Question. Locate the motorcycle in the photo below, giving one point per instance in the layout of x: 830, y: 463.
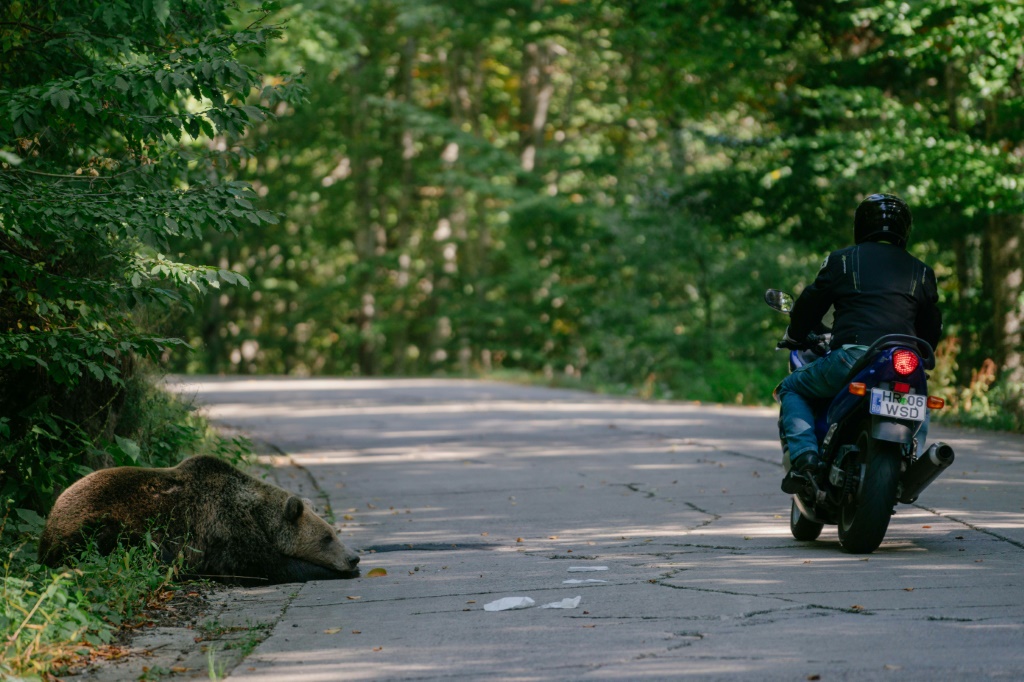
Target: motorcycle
x: 866, y: 437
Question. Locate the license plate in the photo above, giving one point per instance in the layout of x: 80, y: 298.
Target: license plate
x: 898, y: 405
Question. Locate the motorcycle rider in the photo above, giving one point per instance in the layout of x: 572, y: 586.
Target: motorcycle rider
x: 877, y: 288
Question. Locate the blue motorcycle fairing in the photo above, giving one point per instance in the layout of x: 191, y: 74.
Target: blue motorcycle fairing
x: 879, y: 370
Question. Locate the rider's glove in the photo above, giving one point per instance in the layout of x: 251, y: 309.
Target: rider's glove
x: 790, y: 343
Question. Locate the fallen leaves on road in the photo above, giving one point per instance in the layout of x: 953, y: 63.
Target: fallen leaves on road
x: 856, y: 607
x: 353, y: 598
x: 376, y: 573
x: 332, y: 631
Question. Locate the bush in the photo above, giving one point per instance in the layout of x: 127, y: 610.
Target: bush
x: 107, y: 117
x: 154, y: 428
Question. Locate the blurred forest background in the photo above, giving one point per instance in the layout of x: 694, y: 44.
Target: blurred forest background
x: 594, y: 192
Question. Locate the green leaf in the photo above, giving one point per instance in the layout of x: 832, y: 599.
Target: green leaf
x: 254, y: 113
x: 61, y: 98
x: 129, y: 447
x: 162, y: 10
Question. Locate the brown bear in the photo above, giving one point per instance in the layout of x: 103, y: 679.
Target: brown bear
x: 231, y: 526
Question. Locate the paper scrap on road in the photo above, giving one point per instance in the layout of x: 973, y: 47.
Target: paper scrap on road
x: 577, y: 581
x: 509, y: 603
x: 585, y: 569
x: 567, y: 603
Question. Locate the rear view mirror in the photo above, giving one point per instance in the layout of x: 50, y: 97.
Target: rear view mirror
x: 779, y: 300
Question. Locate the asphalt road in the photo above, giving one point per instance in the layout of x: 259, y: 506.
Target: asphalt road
x: 467, y: 492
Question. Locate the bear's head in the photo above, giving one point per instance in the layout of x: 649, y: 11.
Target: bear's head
x: 311, y: 547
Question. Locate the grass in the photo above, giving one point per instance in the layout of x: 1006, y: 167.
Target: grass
x: 51, y: 618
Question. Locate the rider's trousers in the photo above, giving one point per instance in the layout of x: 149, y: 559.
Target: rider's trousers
x: 815, y: 381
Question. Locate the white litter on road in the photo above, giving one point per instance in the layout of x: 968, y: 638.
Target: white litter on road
x: 577, y: 581
x: 509, y: 603
x: 567, y: 603
x: 584, y: 569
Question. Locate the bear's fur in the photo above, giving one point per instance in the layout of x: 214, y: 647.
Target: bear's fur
x: 233, y: 527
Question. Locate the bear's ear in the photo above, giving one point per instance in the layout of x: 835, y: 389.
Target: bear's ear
x: 292, y: 509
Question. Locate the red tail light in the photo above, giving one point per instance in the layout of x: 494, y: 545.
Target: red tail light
x: 904, y: 362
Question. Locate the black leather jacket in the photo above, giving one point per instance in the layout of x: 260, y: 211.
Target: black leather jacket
x: 877, y: 289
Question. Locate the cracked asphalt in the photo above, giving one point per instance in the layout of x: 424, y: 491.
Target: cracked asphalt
x: 466, y: 492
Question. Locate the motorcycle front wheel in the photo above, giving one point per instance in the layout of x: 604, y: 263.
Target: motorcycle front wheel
x: 802, y: 528
x: 866, y: 509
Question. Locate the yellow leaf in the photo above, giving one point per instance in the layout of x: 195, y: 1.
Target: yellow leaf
x: 353, y: 597
x: 376, y: 573
x: 332, y: 631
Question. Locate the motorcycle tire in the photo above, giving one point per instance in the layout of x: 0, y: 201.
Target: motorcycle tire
x: 802, y: 528
x: 864, y: 516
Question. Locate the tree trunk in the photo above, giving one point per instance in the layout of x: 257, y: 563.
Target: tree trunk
x: 1005, y: 237
x: 535, y: 92
x: 364, y: 177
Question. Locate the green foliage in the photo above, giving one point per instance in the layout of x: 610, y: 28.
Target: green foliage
x: 599, y: 191
x: 670, y: 183
x: 108, y: 116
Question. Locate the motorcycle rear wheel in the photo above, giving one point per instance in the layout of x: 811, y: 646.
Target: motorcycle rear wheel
x: 802, y: 528
x: 864, y: 516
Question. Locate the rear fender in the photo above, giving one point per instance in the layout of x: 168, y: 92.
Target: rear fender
x: 892, y: 430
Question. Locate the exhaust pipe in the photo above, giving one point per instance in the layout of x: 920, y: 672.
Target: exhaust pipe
x: 924, y: 470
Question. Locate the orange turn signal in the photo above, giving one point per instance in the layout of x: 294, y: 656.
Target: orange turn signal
x: 935, y: 402
x: 858, y: 388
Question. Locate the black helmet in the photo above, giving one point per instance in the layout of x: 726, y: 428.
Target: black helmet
x: 883, y: 217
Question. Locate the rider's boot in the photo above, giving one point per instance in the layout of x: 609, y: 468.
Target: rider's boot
x: 805, y: 465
